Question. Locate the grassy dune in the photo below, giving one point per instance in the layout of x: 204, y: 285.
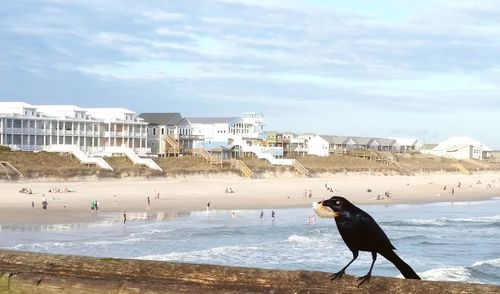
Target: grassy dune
x: 43, y: 164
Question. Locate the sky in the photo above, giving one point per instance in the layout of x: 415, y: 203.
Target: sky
x: 420, y: 69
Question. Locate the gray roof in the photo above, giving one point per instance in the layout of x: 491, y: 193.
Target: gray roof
x: 212, y: 120
x: 162, y: 119
x: 334, y: 139
x: 361, y: 140
x: 385, y: 142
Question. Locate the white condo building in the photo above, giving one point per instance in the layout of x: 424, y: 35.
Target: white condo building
x: 35, y: 127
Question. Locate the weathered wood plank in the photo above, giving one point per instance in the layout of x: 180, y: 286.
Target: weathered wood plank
x: 22, y: 272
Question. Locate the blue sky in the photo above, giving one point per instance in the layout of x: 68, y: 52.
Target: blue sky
x: 424, y: 69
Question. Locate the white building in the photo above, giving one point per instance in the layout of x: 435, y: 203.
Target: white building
x: 33, y: 127
x: 318, y: 145
x: 220, y: 131
x: 461, y: 148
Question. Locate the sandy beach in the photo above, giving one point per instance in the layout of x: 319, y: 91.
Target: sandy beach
x: 177, y: 195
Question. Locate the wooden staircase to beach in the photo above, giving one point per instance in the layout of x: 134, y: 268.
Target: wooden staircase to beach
x: 382, y: 157
x: 245, y: 170
x: 461, y: 168
x: 203, y: 153
x: 300, y: 168
x: 9, y: 169
x: 172, y: 146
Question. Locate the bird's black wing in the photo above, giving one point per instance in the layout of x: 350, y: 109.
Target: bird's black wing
x: 374, y: 238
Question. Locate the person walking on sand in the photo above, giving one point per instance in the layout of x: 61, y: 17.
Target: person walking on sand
x: 148, y: 205
x: 124, y: 217
x: 92, y: 205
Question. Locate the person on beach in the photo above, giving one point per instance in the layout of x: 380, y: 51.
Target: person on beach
x: 124, y: 217
x: 261, y: 214
x: 96, y: 205
x: 148, y: 205
x: 44, y: 205
x: 32, y: 204
x: 272, y: 214
x: 452, y: 191
x: 92, y: 205
x: 310, y: 194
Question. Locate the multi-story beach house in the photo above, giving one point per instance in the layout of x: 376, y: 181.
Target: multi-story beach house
x: 35, y: 127
x: 170, y: 134
x: 223, y: 131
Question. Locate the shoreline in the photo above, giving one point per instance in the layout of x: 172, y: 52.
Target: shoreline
x: 186, y: 194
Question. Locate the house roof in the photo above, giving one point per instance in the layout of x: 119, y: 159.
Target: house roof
x: 361, y: 140
x: 384, y: 142
x: 455, y: 148
x: 457, y: 141
x: 406, y: 141
x: 212, y: 120
x: 334, y: 139
x: 164, y: 119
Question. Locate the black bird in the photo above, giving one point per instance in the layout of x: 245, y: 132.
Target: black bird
x: 360, y: 233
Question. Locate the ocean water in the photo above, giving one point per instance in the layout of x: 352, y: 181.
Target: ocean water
x: 441, y: 241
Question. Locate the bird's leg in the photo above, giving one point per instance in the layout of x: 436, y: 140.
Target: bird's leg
x: 366, y: 278
x: 340, y: 273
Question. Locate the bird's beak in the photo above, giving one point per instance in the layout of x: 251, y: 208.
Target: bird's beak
x: 325, y: 211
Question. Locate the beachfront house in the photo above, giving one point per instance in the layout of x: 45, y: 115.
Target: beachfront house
x: 382, y: 144
x: 37, y: 127
x: 324, y: 145
x: 461, y: 148
x: 170, y: 134
x: 298, y: 143
x: 222, y: 131
x: 318, y: 145
x: 407, y: 145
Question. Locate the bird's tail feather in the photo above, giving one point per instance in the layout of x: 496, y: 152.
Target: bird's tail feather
x: 402, y: 266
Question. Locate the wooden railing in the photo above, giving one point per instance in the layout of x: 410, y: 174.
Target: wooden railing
x: 10, y: 169
x: 461, y: 168
x: 245, y: 170
x: 174, y: 148
x: 212, y: 160
x: 300, y: 168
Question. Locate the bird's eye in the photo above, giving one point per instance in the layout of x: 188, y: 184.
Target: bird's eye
x: 337, y: 202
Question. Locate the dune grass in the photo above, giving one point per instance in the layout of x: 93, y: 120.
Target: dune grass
x: 44, y: 164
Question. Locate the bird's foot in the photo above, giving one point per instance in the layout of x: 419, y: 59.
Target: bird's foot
x: 337, y: 275
x: 364, y: 279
